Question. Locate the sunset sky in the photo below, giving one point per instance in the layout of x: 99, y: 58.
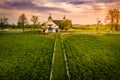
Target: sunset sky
x: 79, y: 11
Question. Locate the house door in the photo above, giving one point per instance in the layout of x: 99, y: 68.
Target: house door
x: 50, y: 29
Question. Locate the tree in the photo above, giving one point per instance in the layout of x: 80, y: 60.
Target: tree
x: 22, y: 20
x: 13, y: 25
x: 35, y: 21
x: 113, y: 16
x: 117, y: 18
x: 98, y: 24
x: 66, y: 24
x: 19, y: 24
x: 3, y: 22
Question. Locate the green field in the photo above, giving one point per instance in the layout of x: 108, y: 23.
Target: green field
x: 93, y: 57
x: 25, y: 57
x: 92, y: 28
x: 89, y: 56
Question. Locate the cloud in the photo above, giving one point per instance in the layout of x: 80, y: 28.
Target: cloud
x: 79, y: 2
x: 58, y: 0
x: 79, y: 11
x: 106, y: 1
x: 99, y: 6
x: 73, y: 2
x: 28, y: 5
x: 69, y: 0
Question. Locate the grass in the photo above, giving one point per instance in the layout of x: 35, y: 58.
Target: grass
x: 59, y: 70
x: 25, y: 57
x: 93, y: 57
x: 92, y: 28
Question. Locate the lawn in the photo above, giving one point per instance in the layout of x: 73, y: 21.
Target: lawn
x: 25, y: 57
x: 93, y: 57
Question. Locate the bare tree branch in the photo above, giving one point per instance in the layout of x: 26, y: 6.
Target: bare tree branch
x: 22, y: 20
x: 35, y: 21
x: 3, y: 22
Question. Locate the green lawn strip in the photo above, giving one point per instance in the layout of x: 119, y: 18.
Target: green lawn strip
x: 93, y: 57
x: 59, y: 69
x: 25, y: 57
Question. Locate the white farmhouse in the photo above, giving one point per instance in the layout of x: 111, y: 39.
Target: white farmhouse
x: 53, y: 25
x: 50, y: 26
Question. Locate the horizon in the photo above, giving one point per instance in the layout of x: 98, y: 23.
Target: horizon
x: 78, y: 11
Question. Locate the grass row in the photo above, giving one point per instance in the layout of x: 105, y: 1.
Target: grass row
x: 59, y: 69
x: 25, y: 57
x: 93, y: 57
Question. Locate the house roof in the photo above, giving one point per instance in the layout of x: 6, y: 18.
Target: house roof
x: 52, y: 23
x: 57, y: 22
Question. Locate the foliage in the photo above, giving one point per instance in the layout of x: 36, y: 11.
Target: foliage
x: 25, y: 57
x: 13, y: 25
x: 93, y: 57
x: 65, y: 24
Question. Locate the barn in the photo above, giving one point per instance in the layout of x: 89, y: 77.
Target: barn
x: 51, y: 25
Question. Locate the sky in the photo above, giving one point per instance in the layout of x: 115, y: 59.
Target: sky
x: 79, y: 11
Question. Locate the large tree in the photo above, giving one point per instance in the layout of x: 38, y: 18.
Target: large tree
x: 35, y: 21
x: 113, y: 16
x: 65, y: 24
x: 3, y: 22
x: 22, y: 20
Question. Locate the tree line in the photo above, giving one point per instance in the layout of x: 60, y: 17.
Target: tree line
x: 22, y: 22
x: 112, y: 19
